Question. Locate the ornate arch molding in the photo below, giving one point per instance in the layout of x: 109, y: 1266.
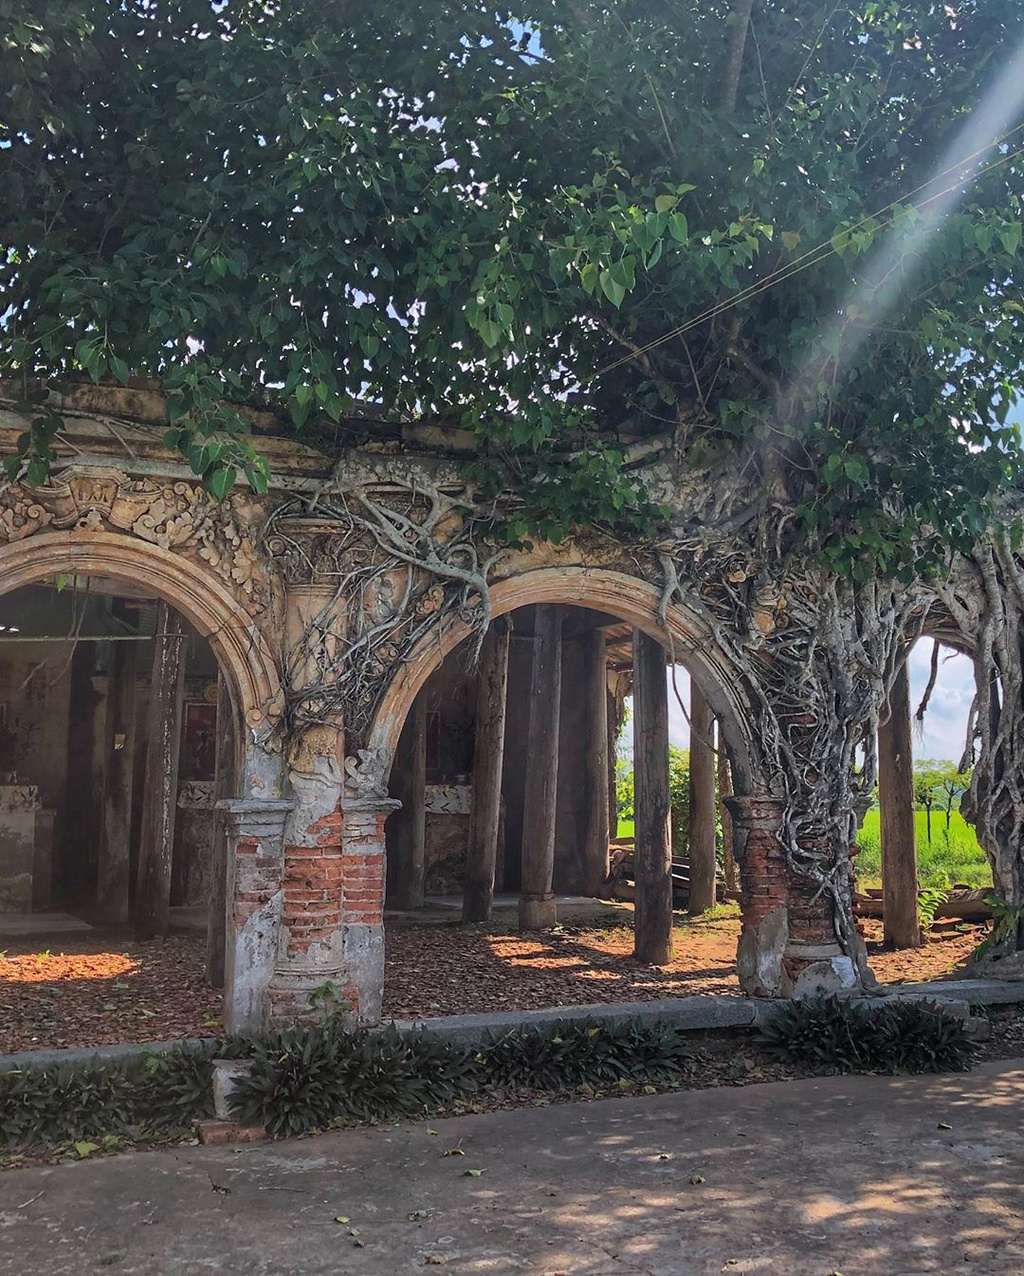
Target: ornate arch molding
x: 237, y: 641
x: 626, y: 597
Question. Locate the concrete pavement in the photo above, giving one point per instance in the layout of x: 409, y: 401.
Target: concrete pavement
x: 863, y: 1176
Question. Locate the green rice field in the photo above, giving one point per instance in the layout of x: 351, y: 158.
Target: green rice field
x: 951, y: 859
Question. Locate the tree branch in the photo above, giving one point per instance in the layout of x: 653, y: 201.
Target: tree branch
x: 734, y: 55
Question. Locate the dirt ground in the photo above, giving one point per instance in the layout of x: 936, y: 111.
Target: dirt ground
x: 86, y: 991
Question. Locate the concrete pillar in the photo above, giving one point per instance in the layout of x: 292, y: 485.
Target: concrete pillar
x: 488, y: 758
x: 224, y: 789
x: 160, y: 793
x: 594, y: 689
x: 896, y: 803
x: 725, y: 816
x: 114, y: 868
x: 253, y: 835
x: 703, y: 869
x: 537, y: 909
x: 409, y: 786
x: 652, y: 850
x: 331, y: 928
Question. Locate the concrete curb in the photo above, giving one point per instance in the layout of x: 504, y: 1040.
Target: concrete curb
x: 691, y: 1014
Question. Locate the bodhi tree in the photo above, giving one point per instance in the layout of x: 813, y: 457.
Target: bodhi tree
x: 552, y: 223
x: 781, y: 235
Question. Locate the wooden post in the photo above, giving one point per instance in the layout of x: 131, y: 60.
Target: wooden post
x: 732, y: 881
x: 114, y: 868
x: 160, y: 793
x: 412, y: 778
x: 223, y: 788
x: 596, y: 831
x: 488, y: 756
x: 652, y: 941
x: 537, y: 909
x: 702, y: 802
x: 896, y: 802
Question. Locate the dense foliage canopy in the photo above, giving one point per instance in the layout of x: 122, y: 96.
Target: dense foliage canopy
x: 562, y: 224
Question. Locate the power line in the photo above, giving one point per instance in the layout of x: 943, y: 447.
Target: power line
x: 820, y: 253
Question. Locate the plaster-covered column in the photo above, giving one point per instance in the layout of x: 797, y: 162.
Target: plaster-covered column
x: 254, y: 831
x: 788, y: 945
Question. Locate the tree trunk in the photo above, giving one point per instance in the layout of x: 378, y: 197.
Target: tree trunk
x: 596, y: 833
x: 896, y: 800
x: 160, y: 796
x: 488, y: 756
x: 114, y: 876
x: 652, y: 853
x: 536, y: 901
x: 738, y: 29
x: 703, y: 868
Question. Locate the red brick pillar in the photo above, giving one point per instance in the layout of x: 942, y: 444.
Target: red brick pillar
x: 788, y: 945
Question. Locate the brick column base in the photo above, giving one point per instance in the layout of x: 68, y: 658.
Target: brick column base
x: 788, y: 945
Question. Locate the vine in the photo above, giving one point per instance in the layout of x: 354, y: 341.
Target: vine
x: 401, y: 561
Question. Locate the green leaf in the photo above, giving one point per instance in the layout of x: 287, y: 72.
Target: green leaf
x: 679, y: 228
x: 665, y: 203
x: 220, y: 481
x: 613, y: 290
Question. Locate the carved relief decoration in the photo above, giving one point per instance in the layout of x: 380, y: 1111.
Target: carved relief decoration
x: 176, y: 515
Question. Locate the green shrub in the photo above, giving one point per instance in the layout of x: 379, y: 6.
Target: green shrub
x: 310, y: 1078
x: 567, y: 1055
x: 846, y: 1036
x: 159, y: 1093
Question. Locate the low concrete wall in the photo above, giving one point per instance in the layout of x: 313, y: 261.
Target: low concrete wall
x: 691, y: 1014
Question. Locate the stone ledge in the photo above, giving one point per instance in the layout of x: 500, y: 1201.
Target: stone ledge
x: 695, y: 1014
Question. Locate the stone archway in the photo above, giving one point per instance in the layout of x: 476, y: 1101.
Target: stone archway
x: 255, y: 817
x: 241, y: 649
x: 756, y: 816
x: 627, y: 597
